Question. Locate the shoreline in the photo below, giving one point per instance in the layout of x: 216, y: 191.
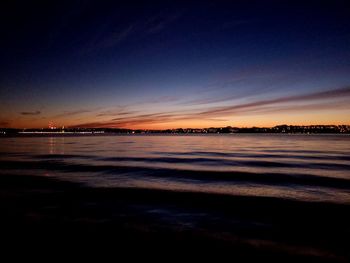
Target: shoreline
x: 70, y: 134
x: 252, y: 227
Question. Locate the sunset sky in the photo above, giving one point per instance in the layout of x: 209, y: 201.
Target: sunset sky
x: 170, y: 64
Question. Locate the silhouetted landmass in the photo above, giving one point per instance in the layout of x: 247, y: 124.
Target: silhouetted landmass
x: 289, y: 129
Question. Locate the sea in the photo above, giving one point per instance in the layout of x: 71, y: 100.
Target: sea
x: 313, y: 168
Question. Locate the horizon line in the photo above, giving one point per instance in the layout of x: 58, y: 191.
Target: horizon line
x: 229, y: 126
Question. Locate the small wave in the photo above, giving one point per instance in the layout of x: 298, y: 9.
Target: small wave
x: 62, y: 156
x: 261, y: 155
x: 203, y: 176
x: 227, y: 162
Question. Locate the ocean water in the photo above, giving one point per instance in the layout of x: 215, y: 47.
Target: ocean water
x: 299, y: 167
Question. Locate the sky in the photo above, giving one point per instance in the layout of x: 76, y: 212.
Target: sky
x: 172, y: 64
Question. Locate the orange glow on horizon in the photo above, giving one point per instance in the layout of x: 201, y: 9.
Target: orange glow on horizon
x: 269, y: 120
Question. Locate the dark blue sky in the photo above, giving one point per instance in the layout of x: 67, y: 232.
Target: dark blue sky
x: 166, y: 64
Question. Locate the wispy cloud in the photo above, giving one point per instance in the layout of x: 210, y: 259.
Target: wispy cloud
x: 141, y: 119
x: 243, y: 84
x: 116, y: 37
x: 30, y: 112
x: 336, y: 93
x: 329, y: 99
x: 162, y: 99
x: 4, y: 123
x: 204, y: 101
x: 109, y: 38
x: 71, y: 113
x: 271, y: 109
x: 159, y: 22
x: 115, y: 113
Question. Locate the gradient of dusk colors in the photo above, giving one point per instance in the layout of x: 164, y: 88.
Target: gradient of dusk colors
x: 160, y: 64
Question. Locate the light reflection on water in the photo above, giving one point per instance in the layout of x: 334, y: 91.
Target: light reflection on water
x: 201, y: 163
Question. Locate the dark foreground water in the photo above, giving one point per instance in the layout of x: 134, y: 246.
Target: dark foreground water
x: 249, y: 198
x: 298, y: 167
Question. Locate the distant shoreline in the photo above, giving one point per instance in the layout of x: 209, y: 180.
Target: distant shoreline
x: 62, y: 135
x: 280, y: 129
